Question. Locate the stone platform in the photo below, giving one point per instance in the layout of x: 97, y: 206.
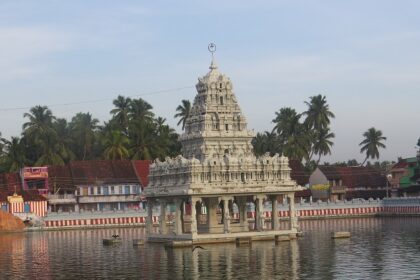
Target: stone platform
x: 185, y: 240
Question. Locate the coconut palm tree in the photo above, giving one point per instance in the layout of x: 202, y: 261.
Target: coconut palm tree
x: 266, y: 142
x: 294, y: 138
x: 183, y: 112
x: 37, y: 129
x: 318, y: 114
x: 13, y: 157
x: 40, y: 120
x: 121, y: 112
x: 83, y: 128
x: 322, y: 144
x: 64, y: 140
x: 140, y: 110
x: 371, y: 143
x: 115, y: 144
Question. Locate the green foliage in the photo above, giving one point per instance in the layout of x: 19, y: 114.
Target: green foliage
x: 183, y: 112
x: 373, y: 140
x: 298, y: 139
x: 133, y: 132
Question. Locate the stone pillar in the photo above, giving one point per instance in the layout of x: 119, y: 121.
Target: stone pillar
x: 243, y: 217
x: 162, y: 217
x: 226, y: 215
x: 212, y: 204
x: 149, y: 219
x: 194, y: 201
x: 292, y: 211
x: 178, y: 216
x: 76, y: 208
x: 259, y: 212
x: 274, y: 213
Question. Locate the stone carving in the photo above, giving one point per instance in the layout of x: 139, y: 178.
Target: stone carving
x: 216, y: 149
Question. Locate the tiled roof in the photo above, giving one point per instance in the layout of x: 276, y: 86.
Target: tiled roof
x: 60, y: 177
x: 298, y: 172
x: 330, y: 172
x: 102, y: 172
x: 355, y: 176
x: 142, y: 170
x: 303, y: 193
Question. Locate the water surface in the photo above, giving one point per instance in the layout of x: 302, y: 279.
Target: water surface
x: 380, y: 248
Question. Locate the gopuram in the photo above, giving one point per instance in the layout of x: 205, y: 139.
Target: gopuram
x: 217, y: 173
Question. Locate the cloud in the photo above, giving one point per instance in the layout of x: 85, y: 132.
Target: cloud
x: 23, y: 47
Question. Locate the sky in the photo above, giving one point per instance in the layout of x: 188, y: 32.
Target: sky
x: 77, y: 56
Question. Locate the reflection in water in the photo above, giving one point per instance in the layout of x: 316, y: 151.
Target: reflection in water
x: 378, y: 249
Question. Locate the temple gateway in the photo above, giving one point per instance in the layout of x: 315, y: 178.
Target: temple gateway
x: 218, y: 176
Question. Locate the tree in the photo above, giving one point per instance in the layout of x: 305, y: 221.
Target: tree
x: 294, y: 138
x: 371, y: 143
x: 140, y: 110
x: 115, y: 143
x: 13, y: 158
x: 121, y: 112
x: 64, y: 140
x: 83, y: 128
x: 266, y: 142
x: 37, y: 130
x: 183, y: 112
x: 322, y: 144
x: 318, y: 114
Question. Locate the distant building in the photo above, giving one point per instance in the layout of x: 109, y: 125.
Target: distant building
x: 406, y: 176
x: 98, y: 185
x: 347, y: 183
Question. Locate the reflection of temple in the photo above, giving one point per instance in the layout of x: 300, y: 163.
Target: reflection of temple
x: 218, y: 170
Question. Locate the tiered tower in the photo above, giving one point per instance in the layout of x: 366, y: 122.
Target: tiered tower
x: 216, y: 125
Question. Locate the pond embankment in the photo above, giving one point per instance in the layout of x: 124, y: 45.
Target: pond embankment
x: 10, y: 223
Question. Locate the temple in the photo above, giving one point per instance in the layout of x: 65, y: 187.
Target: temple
x: 218, y: 176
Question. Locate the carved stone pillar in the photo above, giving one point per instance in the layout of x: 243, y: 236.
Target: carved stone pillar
x: 274, y: 213
x: 259, y: 212
x: 292, y: 211
x: 178, y: 223
x: 212, y: 204
x: 149, y: 219
x: 162, y: 217
x: 226, y: 214
x: 194, y: 201
x: 243, y: 218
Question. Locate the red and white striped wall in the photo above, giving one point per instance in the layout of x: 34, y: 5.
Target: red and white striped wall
x: 17, y: 207
x: 124, y: 221
x: 38, y: 208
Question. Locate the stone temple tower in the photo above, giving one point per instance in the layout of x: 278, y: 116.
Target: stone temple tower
x: 216, y: 125
x: 218, y: 169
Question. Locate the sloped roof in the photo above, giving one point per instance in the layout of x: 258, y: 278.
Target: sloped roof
x: 330, y: 172
x: 60, y: 177
x: 102, y: 172
x: 298, y: 172
x: 142, y: 170
x: 355, y: 176
x: 401, y: 164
